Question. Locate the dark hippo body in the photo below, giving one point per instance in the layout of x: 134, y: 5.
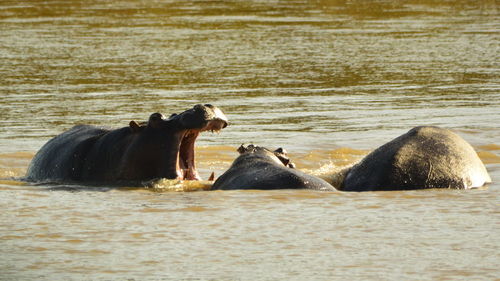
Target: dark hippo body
x: 159, y: 148
x: 259, y: 168
x: 424, y: 157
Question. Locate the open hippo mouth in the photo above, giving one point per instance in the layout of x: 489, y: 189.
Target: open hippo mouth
x: 212, y: 120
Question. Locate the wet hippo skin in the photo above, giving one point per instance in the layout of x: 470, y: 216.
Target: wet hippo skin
x: 424, y: 157
x: 260, y: 168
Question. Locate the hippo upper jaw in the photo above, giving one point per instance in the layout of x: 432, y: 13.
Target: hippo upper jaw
x: 200, y: 119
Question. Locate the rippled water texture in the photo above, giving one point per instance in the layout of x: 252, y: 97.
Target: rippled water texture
x: 327, y: 80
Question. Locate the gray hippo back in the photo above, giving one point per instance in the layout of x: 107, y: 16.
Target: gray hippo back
x: 424, y: 157
x: 259, y: 168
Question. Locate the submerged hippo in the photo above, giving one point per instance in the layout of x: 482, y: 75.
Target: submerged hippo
x: 158, y: 148
x: 260, y: 168
x: 424, y: 157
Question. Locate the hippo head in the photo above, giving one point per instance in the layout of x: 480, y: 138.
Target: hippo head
x: 166, y: 145
x: 280, y: 155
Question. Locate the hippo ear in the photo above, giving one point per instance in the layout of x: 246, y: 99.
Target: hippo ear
x: 241, y: 149
x: 134, y: 127
x: 281, y: 153
x: 285, y: 160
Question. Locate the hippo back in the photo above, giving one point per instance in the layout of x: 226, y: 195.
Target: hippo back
x: 61, y: 158
x: 424, y: 157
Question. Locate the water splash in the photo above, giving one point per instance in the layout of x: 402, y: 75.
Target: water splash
x: 166, y: 185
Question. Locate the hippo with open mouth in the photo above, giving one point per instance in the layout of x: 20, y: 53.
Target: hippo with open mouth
x: 159, y: 148
x: 260, y: 168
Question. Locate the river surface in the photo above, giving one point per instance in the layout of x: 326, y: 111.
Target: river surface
x: 327, y: 80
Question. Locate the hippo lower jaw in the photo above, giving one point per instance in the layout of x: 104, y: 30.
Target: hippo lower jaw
x: 186, y: 167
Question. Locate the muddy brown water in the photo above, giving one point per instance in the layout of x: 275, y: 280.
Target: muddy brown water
x: 327, y: 80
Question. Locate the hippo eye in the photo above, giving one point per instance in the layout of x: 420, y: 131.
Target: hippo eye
x: 156, y: 117
x: 155, y: 120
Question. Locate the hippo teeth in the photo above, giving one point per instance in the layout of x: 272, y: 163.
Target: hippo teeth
x: 215, y: 125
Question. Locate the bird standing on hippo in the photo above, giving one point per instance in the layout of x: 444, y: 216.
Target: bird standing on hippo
x: 159, y: 148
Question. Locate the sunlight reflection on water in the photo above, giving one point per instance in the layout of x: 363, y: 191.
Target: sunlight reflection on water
x: 327, y: 80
